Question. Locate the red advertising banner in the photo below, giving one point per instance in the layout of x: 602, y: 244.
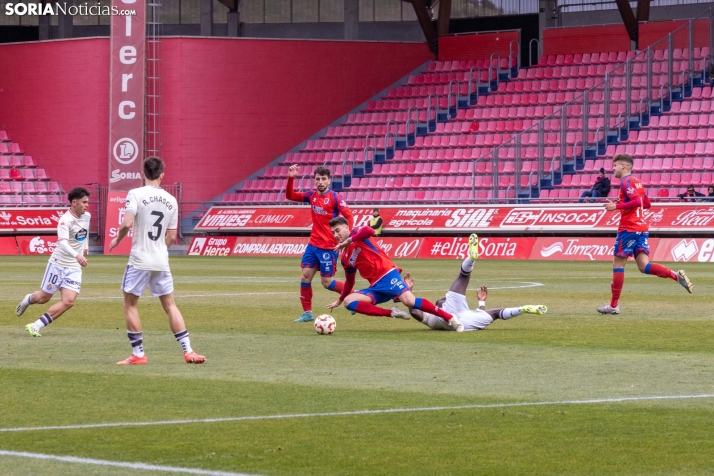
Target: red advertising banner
x: 212, y: 245
x: 489, y: 248
x: 115, y: 215
x: 269, y: 246
x: 579, y: 249
x: 8, y: 246
x: 39, y: 220
x: 37, y: 245
x: 662, y: 217
x: 696, y: 250
x: 126, y: 102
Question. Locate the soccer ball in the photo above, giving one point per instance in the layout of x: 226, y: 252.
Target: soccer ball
x: 325, y: 324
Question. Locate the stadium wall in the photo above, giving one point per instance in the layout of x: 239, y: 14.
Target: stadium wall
x: 476, y: 46
x: 231, y: 106
x: 54, y: 101
x: 560, y: 41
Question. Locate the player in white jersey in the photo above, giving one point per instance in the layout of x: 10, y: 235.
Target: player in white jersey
x: 154, y: 214
x: 64, y: 269
x: 455, y: 301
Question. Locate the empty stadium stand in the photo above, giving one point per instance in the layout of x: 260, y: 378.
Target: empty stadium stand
x: 431, y: 139
x: 22, y: 183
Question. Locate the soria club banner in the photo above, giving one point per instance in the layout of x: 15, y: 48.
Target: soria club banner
x: 494, y: 218
x: 126, y: 106
x: 30, y: 220
x: 126, y: 113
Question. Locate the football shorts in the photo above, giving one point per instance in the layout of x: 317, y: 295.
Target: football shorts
x: 135, y: 281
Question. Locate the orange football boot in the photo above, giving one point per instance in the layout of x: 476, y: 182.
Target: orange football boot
x: 134, y: 360
x: 193, y: 358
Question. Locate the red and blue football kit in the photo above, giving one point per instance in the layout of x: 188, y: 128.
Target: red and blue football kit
x: 632, y: 235
x: 385, y: 280
x: 633, y: 232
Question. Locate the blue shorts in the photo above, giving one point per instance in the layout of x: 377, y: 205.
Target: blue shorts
x: 315, y: 257
x: 631, y: 244
x: 387, y: 288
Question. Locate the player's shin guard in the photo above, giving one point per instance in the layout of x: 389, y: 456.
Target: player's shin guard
x: 137, y: 343
x: 618, y: 280
x: 336, y: 286
x: 427, y: 306
x: 660, y: 271
x: 368, y: 308
x: 306, y: 296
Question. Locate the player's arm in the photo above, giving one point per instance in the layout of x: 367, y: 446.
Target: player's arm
x: 362, y: 234
x: 63, y: 243
x: 482, y: 294
x: 170, y: 237
x: 124, y: 228
x: 350, y: 274
x: 290, y: 192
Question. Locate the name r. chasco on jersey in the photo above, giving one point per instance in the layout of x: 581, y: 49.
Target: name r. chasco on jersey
x: 158, y: 199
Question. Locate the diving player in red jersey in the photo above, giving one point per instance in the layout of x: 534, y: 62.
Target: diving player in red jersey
x: 632, y: 234
x: 359, y: 253
x: 320, y: 253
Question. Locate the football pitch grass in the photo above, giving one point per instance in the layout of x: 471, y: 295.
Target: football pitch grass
x: 570, y: 392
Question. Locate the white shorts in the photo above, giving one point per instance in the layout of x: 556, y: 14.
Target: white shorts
x: 135, y: 281
x: 58, y: 277
x: 456, y: 304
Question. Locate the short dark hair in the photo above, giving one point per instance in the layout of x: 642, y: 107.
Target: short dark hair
x: 375, y: 209
x: 690, y: 186
x: 624, y: 158
x: 153, y: 168
x: 322, y: 171
x: 338, y: 221
x: 77, y: 193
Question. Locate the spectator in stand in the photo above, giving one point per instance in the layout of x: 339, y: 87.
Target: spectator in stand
x: 375, y: 222
x: 601, y: 188
x: 710, y: 196
x: 691, y: 195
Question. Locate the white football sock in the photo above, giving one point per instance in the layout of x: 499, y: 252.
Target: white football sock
x: 467, y: 266
x: 185, y: 341
x: 510, y: 312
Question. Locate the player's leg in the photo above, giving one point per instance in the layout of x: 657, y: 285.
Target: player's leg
x: 616, y: 285
x: 310, y: 263
x: 509, y: 312
x: 363, y: 302
x: 178, y: 327
x: 133, y: 331
x: 461, y: 283
x: 643, y: 264
x: 413, y: 302
x: 52, y: 273
x: 133, y: 284
x: 328, y: 268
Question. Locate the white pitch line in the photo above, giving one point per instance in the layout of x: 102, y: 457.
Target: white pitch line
x: 360, y: 412
x: 259, y: 293
x: 119, y: 464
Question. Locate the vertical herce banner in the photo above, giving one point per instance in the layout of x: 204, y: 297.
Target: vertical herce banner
x: 126, y: 110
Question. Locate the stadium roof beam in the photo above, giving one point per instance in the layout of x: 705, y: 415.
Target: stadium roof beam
x: 643, y: 10
x: 628, y: 19
x: 444, y: 17
x: 422, y: 13
x: 232, y: 5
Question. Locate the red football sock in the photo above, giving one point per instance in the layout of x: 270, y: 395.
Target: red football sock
x: 618, y: 281
x: 336, y: 286
x: 427, y: 306
x: 306, y: 296
x: 371, y: 310
x: 662, y: 271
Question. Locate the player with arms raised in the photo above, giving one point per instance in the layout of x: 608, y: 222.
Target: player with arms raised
x: 632, y: 234
x: 359, y: 253
x: 325, y: 204
x: 64, y: 269
x: 154, y: 214
x: 455, y: 301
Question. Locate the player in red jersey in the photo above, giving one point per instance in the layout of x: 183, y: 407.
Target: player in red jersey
x: 320, y: 253
x: 359, y: 253
x: 632, y: 234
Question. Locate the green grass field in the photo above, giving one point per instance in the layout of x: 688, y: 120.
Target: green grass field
x: 240, y: 315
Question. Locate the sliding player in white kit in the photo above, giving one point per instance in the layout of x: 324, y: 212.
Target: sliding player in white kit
x: 64, y: 269
x: 455, y: 301
x: 154, y: 214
